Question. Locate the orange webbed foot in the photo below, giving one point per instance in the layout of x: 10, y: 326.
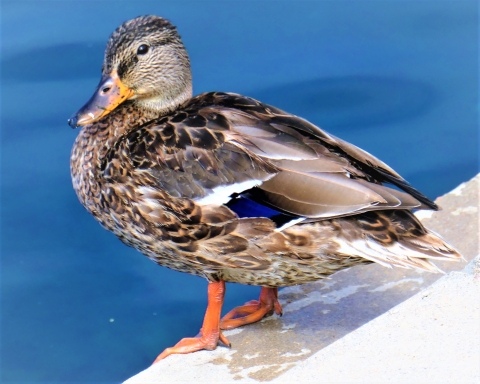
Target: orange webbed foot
x: 254, y: 310
x: 210, y: 333
x: 194, y: 344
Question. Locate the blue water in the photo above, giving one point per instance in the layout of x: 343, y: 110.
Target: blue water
x: 397, y: 78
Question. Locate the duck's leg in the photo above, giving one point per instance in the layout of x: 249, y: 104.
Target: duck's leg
x: 254, y: 310
x: 209, y: 334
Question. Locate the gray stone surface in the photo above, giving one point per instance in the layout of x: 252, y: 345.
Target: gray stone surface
x: 352, y: 327
x: 432, y: 337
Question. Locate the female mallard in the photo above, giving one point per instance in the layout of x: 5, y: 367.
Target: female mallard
x: 225, y: 187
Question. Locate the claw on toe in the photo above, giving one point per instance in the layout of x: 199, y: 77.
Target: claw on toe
x: 224, y: 340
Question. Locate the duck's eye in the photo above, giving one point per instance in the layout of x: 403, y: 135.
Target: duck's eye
x: 142, y: 49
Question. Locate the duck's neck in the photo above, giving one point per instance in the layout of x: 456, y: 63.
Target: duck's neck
x: 165, y: 103
x: 95, y: 141
x: 92, y: 146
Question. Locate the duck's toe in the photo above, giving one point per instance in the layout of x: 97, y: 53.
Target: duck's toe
x: 208, y: 341
x: 254, y: 310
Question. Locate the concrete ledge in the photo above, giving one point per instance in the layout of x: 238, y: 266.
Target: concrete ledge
x: 352, y: 327
x: 432, y: 337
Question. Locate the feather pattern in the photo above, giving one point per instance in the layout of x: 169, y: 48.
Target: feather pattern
x: 171, y: 188
x: 225, y: 187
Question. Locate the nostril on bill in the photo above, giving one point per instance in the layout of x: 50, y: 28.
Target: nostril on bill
x: 73, y: 122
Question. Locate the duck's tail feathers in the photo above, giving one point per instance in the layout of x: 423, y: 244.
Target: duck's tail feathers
x: 397, y: 238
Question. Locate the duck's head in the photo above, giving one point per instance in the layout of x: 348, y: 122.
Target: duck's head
x: 146, y: 62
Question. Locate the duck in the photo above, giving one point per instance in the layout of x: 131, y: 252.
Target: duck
x: 225, y: 187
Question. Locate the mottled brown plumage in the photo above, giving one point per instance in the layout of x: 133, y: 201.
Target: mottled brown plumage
x: 228, y: 188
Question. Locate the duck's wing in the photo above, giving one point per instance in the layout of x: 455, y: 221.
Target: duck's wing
x: 319, y: 175
x: 369, y: 167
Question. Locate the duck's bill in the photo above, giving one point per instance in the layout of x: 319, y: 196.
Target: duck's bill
x: 110, y: 93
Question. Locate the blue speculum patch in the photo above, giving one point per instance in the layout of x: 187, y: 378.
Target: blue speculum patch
x: 245, y: 206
